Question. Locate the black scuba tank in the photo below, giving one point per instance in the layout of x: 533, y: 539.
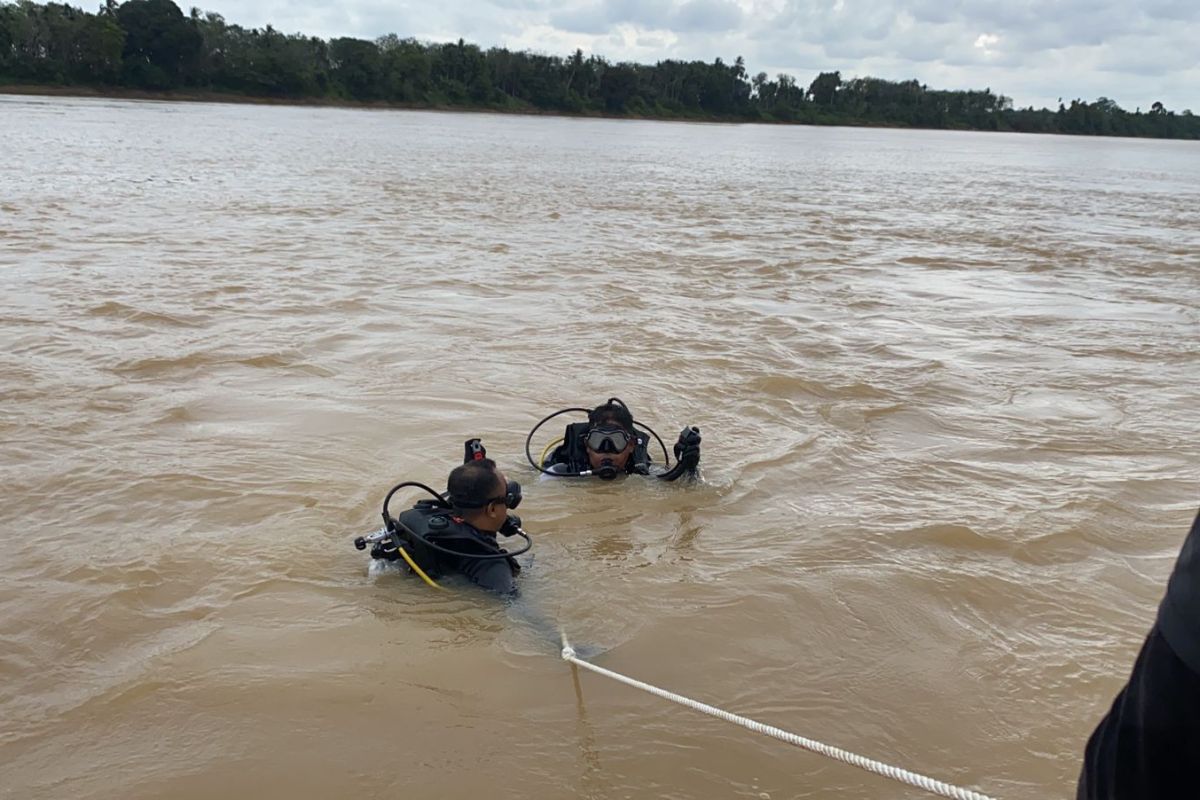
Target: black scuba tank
x: 428, y: 523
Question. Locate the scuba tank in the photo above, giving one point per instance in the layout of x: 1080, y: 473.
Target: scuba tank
x: 434, y: 539
x: 431, y: 533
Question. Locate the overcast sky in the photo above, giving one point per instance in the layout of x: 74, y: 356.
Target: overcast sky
x: 1034, y: 51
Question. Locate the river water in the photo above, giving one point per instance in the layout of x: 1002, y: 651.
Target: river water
x: 946, y: 383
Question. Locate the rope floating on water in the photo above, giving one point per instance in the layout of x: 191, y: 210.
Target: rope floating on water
x: 878, y: 767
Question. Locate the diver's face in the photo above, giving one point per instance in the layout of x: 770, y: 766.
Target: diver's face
x: 618, y: 460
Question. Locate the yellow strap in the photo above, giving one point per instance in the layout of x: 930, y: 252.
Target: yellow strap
x: 555, y: 443
x: 418, y: 570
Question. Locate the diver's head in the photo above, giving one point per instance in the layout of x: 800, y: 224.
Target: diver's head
x: 610, y: 439
x: 482, y: 495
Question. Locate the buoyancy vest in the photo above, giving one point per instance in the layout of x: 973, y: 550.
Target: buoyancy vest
x: 429, y: 522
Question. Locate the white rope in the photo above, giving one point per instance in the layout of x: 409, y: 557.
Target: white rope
x: 878, y: 767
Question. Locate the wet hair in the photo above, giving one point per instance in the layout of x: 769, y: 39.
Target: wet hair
x: 473, y: 484
x: 613, y: 412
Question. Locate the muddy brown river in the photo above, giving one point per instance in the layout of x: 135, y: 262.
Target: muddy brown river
x: 946, y: 381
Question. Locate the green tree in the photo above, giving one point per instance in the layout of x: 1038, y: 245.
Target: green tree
x: 161, y: 45
x: 357, y: 67
x: 617, y: 85
x: 823, y: 90
x: 406, y: 69
x: 98, y: 49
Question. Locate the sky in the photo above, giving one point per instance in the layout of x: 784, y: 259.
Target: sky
x: 1135, y: 52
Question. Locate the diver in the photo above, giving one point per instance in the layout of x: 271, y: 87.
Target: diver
x: 1145, y: 747
x: 456, y: 531
x: 613, y: 443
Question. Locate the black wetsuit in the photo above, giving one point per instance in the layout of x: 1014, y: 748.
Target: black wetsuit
x: 496, y: 575
x: 1148, y: 744
x: 430, y: 523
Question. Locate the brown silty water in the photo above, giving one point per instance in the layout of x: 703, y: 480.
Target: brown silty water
x: 946, y: 383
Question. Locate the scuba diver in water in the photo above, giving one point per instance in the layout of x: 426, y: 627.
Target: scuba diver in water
x: 613, y: 443
x: 455, y: 531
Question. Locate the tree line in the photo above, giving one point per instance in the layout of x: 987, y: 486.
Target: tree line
x: 152, y: 45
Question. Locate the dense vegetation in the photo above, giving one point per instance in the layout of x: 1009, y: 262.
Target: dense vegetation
x: 152, y: 45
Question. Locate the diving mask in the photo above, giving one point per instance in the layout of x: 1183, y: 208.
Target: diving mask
x: 607, y: 440
x: 511, y: 498
x: 512, y: 495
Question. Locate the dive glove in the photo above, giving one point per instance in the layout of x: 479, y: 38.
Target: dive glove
x: 687, y: 448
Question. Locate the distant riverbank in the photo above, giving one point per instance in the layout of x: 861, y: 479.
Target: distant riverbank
x: 151, y: 50
x: 199, y: 96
